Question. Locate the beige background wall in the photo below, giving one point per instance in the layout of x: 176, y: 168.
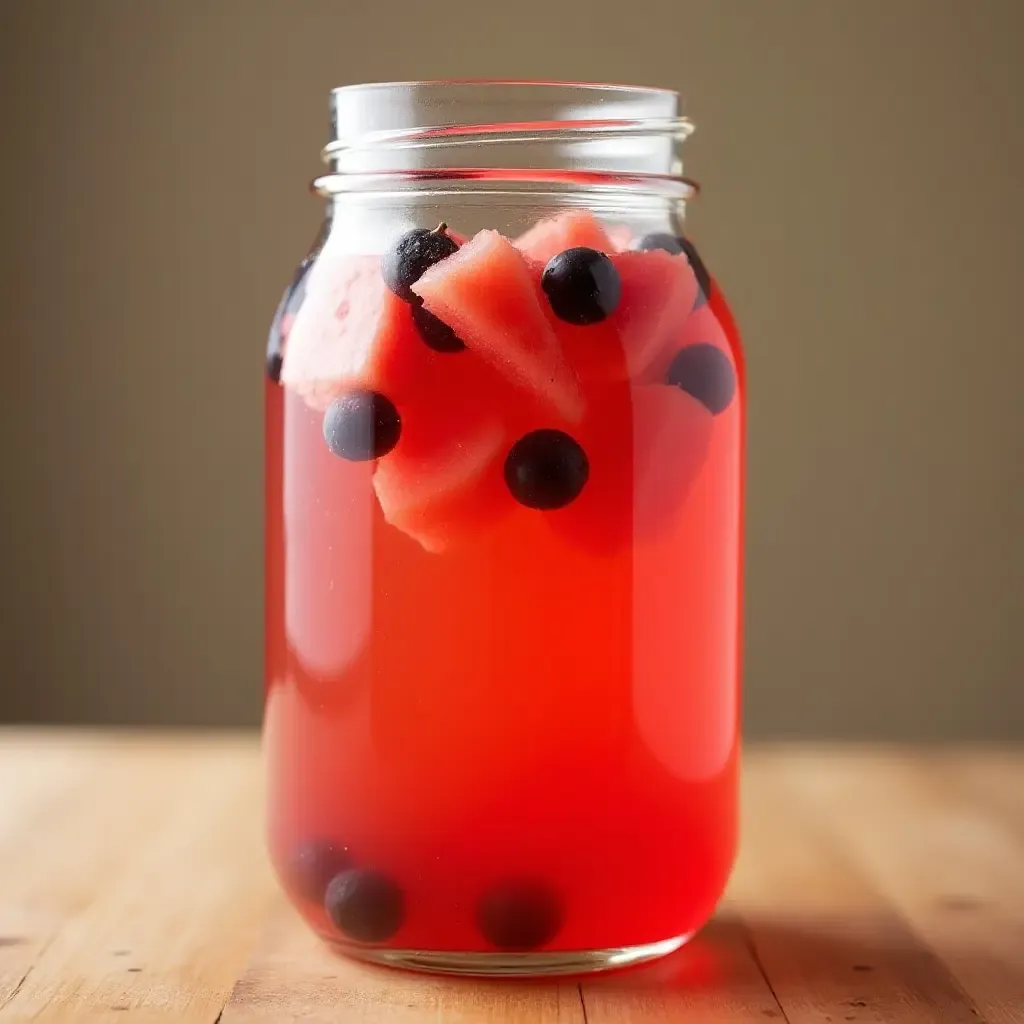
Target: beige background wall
x: 863, y: 162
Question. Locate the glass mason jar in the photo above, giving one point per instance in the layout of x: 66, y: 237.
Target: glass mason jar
x: 504, y: 485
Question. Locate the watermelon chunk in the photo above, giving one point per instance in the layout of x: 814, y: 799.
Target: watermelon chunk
x: 522, y: 368
x: 350, y: 331
x: 353, y: 332
x: 441, y: 481
x: 488, y: 295
x: 555, y: 234
x: 658, y: 292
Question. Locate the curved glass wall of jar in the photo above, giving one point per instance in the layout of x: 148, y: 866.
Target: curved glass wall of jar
x: 504, y: 487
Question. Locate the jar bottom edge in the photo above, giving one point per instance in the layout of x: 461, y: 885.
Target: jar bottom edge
x: 509, y: 965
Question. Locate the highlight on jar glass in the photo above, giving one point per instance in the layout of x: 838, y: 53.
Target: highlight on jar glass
x: 505, y: 407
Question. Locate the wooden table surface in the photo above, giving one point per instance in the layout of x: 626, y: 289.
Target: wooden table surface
x: 874, y: 884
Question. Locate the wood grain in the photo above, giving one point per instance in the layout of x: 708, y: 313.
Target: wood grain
x: 874, y: 885
x: 832, y: 945
x: 293, y: 974
x: 951, y: 867
x: 714, y: 979
x: 140, y: 899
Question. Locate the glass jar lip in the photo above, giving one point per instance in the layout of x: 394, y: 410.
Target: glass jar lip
x: 406, y: 113
x: 525, y: 83
x: 476, y: 129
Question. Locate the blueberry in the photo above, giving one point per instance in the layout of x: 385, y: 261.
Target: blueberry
x: 361, y: 425
x: 364, y: 904
x: 275, y: 360
x: 412, y: 256
x: 436, y: 333
x: 546, y: 469
x: 704, y: 371
x: 519, y: 916
x: 676, y: 244
x: 314, y: 864
x: 582, y: 285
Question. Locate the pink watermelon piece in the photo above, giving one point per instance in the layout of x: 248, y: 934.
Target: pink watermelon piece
x: 555, y: 234
x: 350, y: 331
x: 658, y: 292
x: 353, y: 332
x: 488, y: 295
x: 440, y: 481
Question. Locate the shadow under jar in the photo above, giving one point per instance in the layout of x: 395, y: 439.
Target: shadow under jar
x: 504, y: 480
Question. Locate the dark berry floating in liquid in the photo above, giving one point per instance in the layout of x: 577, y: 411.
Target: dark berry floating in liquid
x: 519, y: 916
x: 546, y: 469
x: 312, y: 866
x: 704, y: 371
x: 275, y: 360
x: 582, y: 285
x: 435, y: 333
x: 412, y: 256
x: 365, y: 905
x: 676, y: 244
x: 361, y: 425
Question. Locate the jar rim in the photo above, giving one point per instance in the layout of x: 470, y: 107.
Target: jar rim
x: 371, y: 110
x: 528, y: 83
x: 500, y: 123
